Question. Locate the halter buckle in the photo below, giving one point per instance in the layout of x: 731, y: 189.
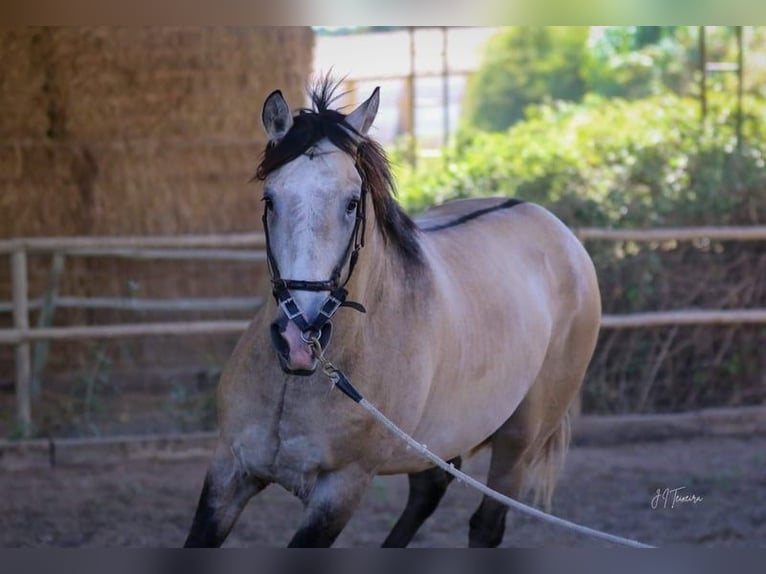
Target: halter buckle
x: 330, y: 306
x: 290, y: 308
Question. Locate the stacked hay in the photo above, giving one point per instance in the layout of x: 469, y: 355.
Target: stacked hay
x: 137, y: 131
x: 133, y: 131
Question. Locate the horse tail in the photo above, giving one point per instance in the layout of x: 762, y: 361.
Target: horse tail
x: 545, y: 467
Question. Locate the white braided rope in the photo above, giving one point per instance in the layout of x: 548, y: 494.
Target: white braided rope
x: 484, y: 489
x: 335, y: 376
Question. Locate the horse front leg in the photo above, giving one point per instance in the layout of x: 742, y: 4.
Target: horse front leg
x: 226, y: 490
x: 329, y: 506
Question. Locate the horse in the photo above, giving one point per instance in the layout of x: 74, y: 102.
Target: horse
x: 472, y: 326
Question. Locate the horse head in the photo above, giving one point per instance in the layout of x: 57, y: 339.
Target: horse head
x: 314, y: 217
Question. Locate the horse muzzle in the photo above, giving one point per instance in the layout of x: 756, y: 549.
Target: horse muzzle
x: 293, y: 350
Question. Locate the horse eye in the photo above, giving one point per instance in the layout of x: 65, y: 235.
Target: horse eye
x: 268, y: 202
x: 352, y: 205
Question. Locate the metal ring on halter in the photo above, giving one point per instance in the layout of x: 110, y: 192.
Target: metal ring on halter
x: 313, y: 335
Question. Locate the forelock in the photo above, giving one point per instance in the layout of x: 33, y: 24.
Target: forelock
x: 310, y: 126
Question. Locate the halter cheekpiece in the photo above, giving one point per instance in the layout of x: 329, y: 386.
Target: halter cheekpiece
x: 337, y: 298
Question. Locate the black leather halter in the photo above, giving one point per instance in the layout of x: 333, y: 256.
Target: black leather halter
x: 336, y: 299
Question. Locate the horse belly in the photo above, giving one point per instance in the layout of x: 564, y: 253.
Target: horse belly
x: 453, y: 427
x: 479, y: 383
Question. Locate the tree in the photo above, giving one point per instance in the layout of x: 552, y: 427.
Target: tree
x: 523, y: 66
x: 650, y: 35
x: 639, y: 61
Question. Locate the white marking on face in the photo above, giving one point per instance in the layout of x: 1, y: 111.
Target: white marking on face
x: 309, y: 225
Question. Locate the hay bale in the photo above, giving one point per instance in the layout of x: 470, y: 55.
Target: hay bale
x: 135, y: 131
x: 23, y: 87
x: 157, y: 83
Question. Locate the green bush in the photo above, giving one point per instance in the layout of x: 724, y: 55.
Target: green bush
x: 609, y: 163
x: 639, y: 61
x: 523, y: 66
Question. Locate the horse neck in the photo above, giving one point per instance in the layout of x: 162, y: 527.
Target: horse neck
x: 378, y: 282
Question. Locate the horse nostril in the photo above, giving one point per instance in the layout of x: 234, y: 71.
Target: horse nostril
x: 277, y: 340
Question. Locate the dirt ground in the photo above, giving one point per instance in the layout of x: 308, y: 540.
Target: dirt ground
x: 150, y: 503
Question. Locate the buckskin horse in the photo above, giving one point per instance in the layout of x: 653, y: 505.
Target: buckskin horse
x: 471, y: 326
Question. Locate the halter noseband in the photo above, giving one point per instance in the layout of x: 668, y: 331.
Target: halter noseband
x: 338, y: 293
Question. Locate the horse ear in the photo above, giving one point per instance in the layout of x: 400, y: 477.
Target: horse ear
x: 276, y: 116
x: 362, y: 117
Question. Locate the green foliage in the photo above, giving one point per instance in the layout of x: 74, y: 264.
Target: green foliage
x: 609, y: 163
x: 623, y: 39
x: 637, y: 73
x: 525, y: 66
x: 522, y: 66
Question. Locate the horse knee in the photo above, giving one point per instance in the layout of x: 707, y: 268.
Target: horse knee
x: 329, y: 506
x: 224, y: 494
x: 203, y: 532
x: 323, y: 526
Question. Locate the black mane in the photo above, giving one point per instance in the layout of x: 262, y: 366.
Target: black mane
x: 313, y: 124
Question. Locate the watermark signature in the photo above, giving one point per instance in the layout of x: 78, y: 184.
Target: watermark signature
x: 672, y: 497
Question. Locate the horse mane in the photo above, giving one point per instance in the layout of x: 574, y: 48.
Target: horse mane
x: 313, y: 124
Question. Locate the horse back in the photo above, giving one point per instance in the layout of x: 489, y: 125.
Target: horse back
x: 487, y: 243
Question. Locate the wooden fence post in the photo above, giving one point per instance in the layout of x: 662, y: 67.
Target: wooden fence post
x: 23, y: 355
x: 411, y: 97
x: 349, y: 95
x: 45, y: 319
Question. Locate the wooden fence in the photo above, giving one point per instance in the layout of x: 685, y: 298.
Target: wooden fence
x: 250, y: 247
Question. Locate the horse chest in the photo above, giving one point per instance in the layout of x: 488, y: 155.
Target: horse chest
x: 293, y: 440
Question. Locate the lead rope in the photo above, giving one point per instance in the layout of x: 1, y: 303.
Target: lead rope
x: 339, y: 380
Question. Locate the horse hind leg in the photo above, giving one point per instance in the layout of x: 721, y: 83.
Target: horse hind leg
x: 427, y: 488
x: 507, y: 473
x: 529, y: 449
x: 525, y: 454
x: 226, y: 490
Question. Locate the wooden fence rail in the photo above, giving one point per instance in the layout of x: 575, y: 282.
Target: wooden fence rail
x: 723, y: 233
x: 687, y: 317
x: 194, y: 304
x: 72, y: 244
x: 172, y: 254
x: 249, y: 247
x: 127, y: 330
x: 258, y: 240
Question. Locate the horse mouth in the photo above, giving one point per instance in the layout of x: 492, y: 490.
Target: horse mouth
x: 295, y: 355
x: 284, y: 363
